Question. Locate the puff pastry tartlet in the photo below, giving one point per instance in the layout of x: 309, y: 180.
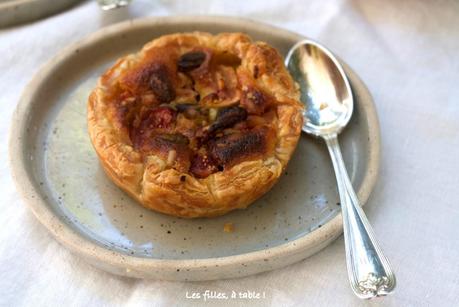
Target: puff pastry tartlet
x: 196, y: 124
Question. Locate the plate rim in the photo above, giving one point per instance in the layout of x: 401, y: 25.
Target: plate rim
x: 30, y: 10
x: 126, y: 264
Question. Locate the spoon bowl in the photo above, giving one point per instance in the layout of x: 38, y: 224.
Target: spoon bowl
x: 325, y: 89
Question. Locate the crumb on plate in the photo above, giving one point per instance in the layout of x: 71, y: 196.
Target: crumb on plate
x: 228, y: 227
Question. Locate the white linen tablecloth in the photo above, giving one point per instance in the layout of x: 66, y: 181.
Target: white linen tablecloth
x: 407, y: 52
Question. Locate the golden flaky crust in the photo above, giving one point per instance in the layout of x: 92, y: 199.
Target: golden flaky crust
x: 157, y: 186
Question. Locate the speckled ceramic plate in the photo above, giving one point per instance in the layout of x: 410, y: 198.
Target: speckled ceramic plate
x: 57, y: 171
x: 18, y: 11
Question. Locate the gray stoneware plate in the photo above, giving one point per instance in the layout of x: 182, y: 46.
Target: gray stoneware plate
x: 57, y: 172
x: 18, y: 11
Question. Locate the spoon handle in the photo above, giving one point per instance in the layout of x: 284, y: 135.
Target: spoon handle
x: 369, y: 271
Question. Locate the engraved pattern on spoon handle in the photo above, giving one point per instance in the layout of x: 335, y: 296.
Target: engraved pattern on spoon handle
x: 369, y: 271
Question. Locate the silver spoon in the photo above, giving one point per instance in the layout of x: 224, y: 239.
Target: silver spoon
x: 327, y: 94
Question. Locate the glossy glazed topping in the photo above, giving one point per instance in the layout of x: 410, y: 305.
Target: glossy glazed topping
x: 196, y: 110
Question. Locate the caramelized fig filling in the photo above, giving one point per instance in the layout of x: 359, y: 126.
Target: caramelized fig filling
x: 197, y: 111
